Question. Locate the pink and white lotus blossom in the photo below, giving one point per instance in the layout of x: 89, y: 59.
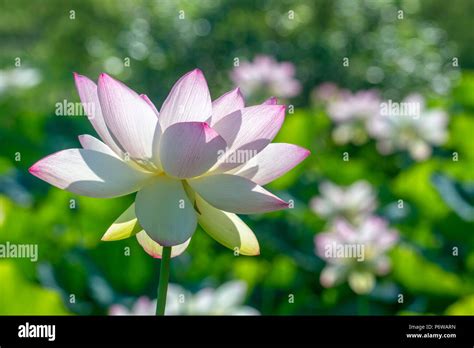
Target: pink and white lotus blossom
x: 416, y: 133
x: 355, y: 254
x: 266, y: 75
x: 351, y: 114
x: 177, y: 160
x: 227, y: 299
x: 353, y: 203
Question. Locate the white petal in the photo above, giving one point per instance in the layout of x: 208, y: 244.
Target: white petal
x: 89, y: 142
x: 226, y: 104
x: 89, y: 173
x: 165, y: 212
x: 87, y: 90
x: 188, y: 101
x: 236, y: 194
x: 131, y: 120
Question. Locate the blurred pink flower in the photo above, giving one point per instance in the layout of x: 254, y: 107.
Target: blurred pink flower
x: 361, y: 105
x: 351, y: 114
x: 352, y: 203
x: 326, y: 92
x: 416, y: 129
x: 355, y: 254
x: 266, y: 76
x: 195, y: 161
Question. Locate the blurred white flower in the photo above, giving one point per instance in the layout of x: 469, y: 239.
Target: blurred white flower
x: 19, y: 78
x: 414, y: 132
x: 266, y: 76
x: 225, y: 300
x: 355, y: 254
x: 351, y: 113
x: 352, y: 203
x: 143, y: 306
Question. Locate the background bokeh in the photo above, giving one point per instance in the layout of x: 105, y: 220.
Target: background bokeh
x: 432, y: 264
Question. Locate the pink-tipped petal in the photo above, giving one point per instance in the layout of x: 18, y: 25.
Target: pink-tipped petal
x: 270, y: 101
x: 149, y: 102
x: 131, y: 120
x: 236, y: 194
x: 188, y: 101
x: 165, y: 212
x: 274, y: 161
x: 89, y: 173
x: 155, y: 250
x: 226, y: 104
x: 189, y: 149
x: 87, y: 90
x: 247, y: 132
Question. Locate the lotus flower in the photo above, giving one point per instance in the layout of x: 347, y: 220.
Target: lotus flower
x: 414, y: 133
x: 265, y: 74
x: 350, y: 112
x: 227, y: 299
x: 194, y: 161
x: 355, y: 253
x: 353, y: 203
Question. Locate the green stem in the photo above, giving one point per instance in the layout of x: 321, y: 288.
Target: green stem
x: 163, y: 282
